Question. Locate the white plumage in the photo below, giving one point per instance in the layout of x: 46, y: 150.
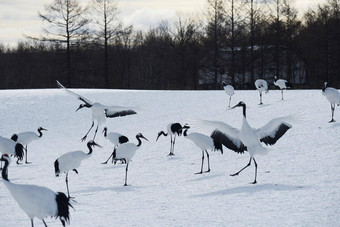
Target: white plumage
x: 8, y: 146
x: 99, y: 111
x: 282, y: 84
x: 37, y: 201
x: 116, y: 139
x: 229, y: 90
x: 173, y: 129
x: 246, y: 139
x: 126, y: 152
x: 204, y: 142
x: 261, y: 86
x: 71, y: 161
x: 27, y: 137
x: 333, y: 96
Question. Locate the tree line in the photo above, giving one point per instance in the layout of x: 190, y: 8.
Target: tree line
x: 236, y: 41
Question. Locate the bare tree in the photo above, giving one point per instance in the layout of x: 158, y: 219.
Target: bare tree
x: 66, y: 24
x: 108, y: 27
x: 216, y: 35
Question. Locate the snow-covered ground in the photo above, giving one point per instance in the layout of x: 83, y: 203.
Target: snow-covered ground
x: 298, y: 181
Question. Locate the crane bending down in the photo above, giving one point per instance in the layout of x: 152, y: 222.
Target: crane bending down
x: 173, y: 129
x: 37, y: 201
x: 126, y: 152
x: 333, y: 96
x: 71, y: 161
x: 115, y: 138
x: 27, y: 137
x: 99, y: 111
x: 204, y: 142
x: 229, y: 90
x: 261, y: 86
x: 247, y: 138
x: 282, y: 84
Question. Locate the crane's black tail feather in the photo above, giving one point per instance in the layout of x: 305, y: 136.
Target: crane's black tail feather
x: 63, y: 204
x: 19, y: 151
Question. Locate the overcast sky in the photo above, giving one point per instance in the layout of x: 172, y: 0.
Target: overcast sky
x: 20, y: 17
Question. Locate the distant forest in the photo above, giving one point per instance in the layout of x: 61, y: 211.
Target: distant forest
x: 236, y: 41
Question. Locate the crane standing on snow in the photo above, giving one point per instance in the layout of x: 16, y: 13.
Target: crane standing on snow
x: 126, y: 152
x: 282, y: 84
x: 229, y: 90
x: 71, y: 161
x: 173, y: 129
x: 27, y: 137
x: 333, y: 96
x: 261, y: 86
x: 204, y: 142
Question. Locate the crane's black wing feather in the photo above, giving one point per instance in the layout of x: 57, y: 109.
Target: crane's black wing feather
x: 229, y: 142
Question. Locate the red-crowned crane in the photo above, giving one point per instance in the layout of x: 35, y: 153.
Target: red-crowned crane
x: 247, y: 138
x: 27, y: 137
x: 116, y: 139
x: 204, y: 142
x: 229, y: 90
x: 261, y: 86
x: 99, y: 111
x: 333, y: 96
x: 71, y: 161
x: 37, y: 201
x: 173, y: 129
x: 126, y: 152
x: 282, y: 84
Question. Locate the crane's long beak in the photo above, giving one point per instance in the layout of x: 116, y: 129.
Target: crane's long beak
x: 145, y: 138
x: 44, y: 129
x: 95, y: 144
x: 235, y: 106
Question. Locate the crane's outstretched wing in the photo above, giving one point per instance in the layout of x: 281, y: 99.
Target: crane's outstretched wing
x: 271, y: 132
x: 221, y: 132
x: 85, y: 100
x: 119, y: 111
x: 229, y: 142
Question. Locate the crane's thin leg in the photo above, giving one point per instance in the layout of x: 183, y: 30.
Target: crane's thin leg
x: 84, y: 138
x: 68, y: 192
x: 44, y: 223
x: 0, y: 165
x: 126, y: 171
x: 229, y: 100
x: 255, y: 171
x: 201, y: 163
x: 235, y: 174
x: 95, y: 133
x: 32, y: 224
x: 109, y: 158
x: 332, y: 109
x: 208, y: 161
x: 26, y: 156
x: 171, y: 147
x: 18, y: 162
x: 261, y: 98
x: 282, y: 94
